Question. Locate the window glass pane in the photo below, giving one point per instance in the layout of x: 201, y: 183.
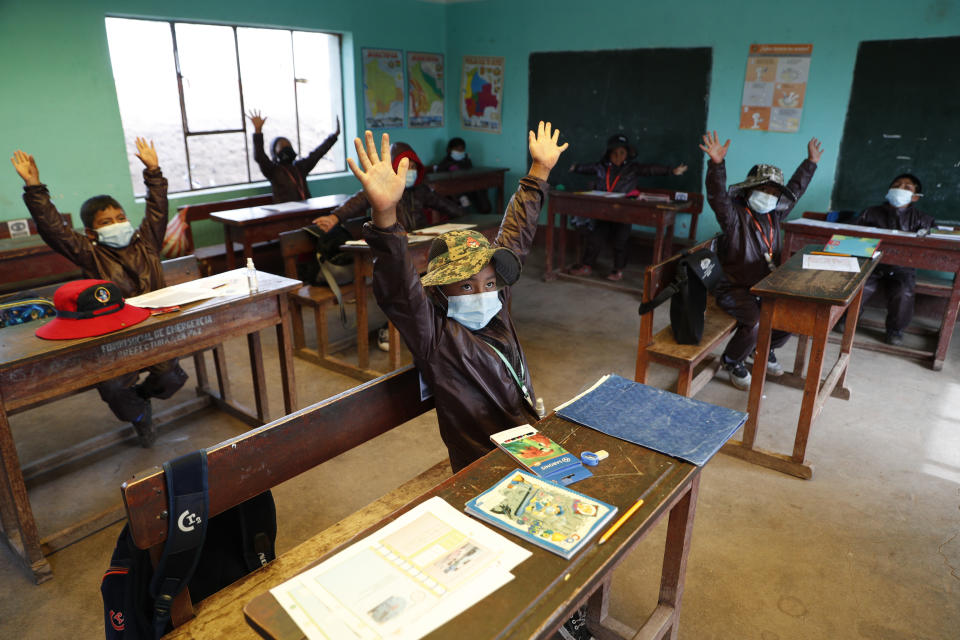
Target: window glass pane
x: 208, y: 66
x: 319, y: 95
x: 266, y: 68
x: 217, y: 159
x: 141, y: 54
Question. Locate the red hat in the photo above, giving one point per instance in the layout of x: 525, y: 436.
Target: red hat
x: 87, y: 308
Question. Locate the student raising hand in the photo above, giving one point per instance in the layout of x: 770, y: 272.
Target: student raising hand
x: 257, y: 121
x: 712, y: 147
x: 382, y: 187
x: 26, y: 168
x: 147, y: 153
x: 814, y: 150
x: 544, y: 150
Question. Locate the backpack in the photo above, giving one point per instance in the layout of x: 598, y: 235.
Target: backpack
x: 697, y: 273
x: 333, y: 267
x: 204, y: 554
x: 25, y: 307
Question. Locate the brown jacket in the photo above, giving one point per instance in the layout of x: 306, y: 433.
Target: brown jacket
x: 289, y: 181
x: 622, y: 179
x: 136, y: 268
x: 886, y: 216
x: 741, y: 247
x: 475, y: 393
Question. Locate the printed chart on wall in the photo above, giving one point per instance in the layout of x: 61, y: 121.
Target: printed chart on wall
x: 481, y: 93
x: 383, y: 88
x: 425, y: 88
x: 775, y: 87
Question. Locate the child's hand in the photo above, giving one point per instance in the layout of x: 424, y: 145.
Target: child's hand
x: 680, y: 169
x: 326, y: 222
x: 814, y: 150
x: 26, y: 167
x: 147, y: 154
x: 712, y: 147
x: 382, y: 186
x: 257, y: 121
x: 544, y: 150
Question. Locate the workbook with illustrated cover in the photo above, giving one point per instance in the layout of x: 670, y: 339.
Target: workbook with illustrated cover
x: 556, y: 518
x: 851, y: 246
x: 540, y: 455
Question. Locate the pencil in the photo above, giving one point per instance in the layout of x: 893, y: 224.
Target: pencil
x: 636, y: 505
x: 827, y: 253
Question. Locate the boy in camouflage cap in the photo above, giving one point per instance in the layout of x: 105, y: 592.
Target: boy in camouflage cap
x: 456, y: 320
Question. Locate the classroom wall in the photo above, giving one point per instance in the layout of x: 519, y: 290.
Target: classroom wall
x: 515, y: 29
x: 59, y: 101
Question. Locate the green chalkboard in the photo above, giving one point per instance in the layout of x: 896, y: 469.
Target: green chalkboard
x: 903, y: 117
x: 657, y: 97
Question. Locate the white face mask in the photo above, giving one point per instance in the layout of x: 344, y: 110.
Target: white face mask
x: 474, y: 311
x: 411, y: 177
x: 458, y: 155
x: 762, y: 202
x: 116, y: 235
x: 899, y: 197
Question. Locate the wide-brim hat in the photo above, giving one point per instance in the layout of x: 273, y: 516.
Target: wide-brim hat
x: 87, y: 308
x: 763, y: 174
x: 458, y: 255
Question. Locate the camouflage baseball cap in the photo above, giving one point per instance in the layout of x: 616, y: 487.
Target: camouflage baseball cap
x: 458, y: 255
x: 762, y: 174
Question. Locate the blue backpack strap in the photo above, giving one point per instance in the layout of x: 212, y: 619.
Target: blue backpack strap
x: 187, y: 510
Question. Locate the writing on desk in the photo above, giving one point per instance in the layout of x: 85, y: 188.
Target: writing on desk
x: 157, y: 338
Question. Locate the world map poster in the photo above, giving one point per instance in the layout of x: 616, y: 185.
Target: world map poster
x: 775, y: 87
x: 383, y: 88
x: 425, y: 89
x: 481, y: 93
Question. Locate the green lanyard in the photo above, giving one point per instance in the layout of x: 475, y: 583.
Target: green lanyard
x: 516, y: 378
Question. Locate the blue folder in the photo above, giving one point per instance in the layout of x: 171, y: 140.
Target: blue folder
x: 677, y: 426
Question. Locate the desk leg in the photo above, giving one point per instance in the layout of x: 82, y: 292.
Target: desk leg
x: 947, y: 325
x: 548, y: 237
x: 811, y: 390
x: 228, y: 247
x: 19, y: 527
x: 500, y: 196
x: 562, y: 252
x: 394, y: 347
x: 677, y: 548
x: 759, y: 374
x: 285, y: 347
x: 259, y: 379
x: 360, y: 287
x: 220, y: 363
x: 247, y: 245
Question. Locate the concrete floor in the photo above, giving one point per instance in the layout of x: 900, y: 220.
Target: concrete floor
x: 867, y: 549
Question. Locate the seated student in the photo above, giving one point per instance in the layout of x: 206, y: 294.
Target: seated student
x: 617, y: 171
x: 458, y: 159
x: 111, y: 249
x: 287, y: 175
x: 456, y: 319
x: 750, y: 214
x: 897, y: 213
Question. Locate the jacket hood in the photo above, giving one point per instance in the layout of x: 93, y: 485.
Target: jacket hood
x: 401, y: 150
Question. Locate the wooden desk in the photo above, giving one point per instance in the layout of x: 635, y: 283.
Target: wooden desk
x: 363, y: 269
x: 660, y: 216
x: 258, y: 224
x: 35, y: 371
x: 806, y: 302
x: 28, y: 262
x: 453, y: 183
x: 546, y: 590
x: 903, y: 249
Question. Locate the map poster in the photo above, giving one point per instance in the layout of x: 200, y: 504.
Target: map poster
x: 425, y: 89
x: 775, y: 87
x: 383, y: 88
x: 481, y: 93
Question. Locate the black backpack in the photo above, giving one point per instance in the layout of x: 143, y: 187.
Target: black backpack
x: 697, y: 273
x: 205, y: 555
x: 332, y: 267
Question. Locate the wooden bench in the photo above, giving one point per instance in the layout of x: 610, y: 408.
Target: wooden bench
x: 248, y: 465
x: 213, y: 258
x: 663, y: 349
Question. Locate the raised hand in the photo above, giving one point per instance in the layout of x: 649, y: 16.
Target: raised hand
x: 712, y: 147
x: 680, y: 169
x: 147, y: 154
x: 814, y: 150
x: 382, y: 186
x: 257, y: 121
x: 544, y: 150
x: 26, y: 167
x: 326, y: 222
x: 337, y: 132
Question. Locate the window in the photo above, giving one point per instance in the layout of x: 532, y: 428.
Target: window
x: 187, y: 87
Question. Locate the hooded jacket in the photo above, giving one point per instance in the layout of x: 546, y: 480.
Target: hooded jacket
x: 289, y: 181
x: 412, y: 203
x: 475, y: 393
x: 741, y: 248
x: 886, y: 216
x: 622, y: 179
x: 136, y: 268
x: 449, y: 164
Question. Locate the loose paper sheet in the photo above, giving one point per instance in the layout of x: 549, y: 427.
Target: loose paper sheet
x: 231, y: 283
x: 282, y: 207
x: 831, y: 263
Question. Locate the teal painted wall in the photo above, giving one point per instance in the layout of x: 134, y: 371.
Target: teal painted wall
x: 515, y: 29
x: 59, y: 101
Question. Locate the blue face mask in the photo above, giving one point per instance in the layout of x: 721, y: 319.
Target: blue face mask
x: 474, y: 311
x: 116, y: 235
x: 458, y: 155
x: 762, y: 202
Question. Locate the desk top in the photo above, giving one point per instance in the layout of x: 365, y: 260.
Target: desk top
x: 692, y: 205
x: 791, y: 280
x: 545, y: 585
x: 442, y: 176
x: 24, y: 245
x: 807, y: 226
x: 255, y: 215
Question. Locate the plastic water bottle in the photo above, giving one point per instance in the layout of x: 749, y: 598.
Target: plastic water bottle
x: 252, y: 276
x: 541, y: 410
